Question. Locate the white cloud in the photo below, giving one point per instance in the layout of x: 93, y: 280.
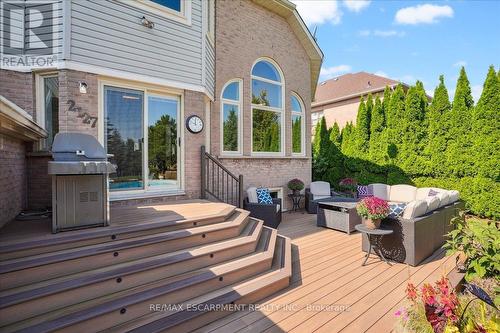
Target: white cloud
x: 382, y: 33
x: 356, y: 5
x: 381, y: 73
x: 460, y: 63
x: 425, y: 14
x: 319, y: 11
x: 329, y: 72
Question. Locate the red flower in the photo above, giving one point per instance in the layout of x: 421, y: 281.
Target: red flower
x: 411, y: 292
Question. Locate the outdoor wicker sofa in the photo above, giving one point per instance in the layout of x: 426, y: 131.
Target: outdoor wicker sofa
x: 422, y: 228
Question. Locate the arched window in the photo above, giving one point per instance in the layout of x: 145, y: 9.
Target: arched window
x: 231, y: 117
x: 267, y: 108
x: 298, y: 125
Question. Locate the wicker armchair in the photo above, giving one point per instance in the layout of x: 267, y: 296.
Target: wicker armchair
x: 269, y: 213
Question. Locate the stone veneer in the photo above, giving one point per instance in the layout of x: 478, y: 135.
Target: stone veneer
x: 245, y: 32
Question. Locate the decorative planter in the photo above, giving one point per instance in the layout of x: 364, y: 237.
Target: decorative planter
x: 372, y: 224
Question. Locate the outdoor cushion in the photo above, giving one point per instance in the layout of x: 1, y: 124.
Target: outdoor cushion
x: 402, y: 193
x: 278, y: 208
x: 320, y: 188
x: 454, y: 196
x: 252, y: 194
x: 422, y: 193
x: 396, y: 209
x: 380, y: 191
x: 364, y: 191
x: 263, y: 196
x: 415, y: 208
x: 432, y: 203
x: 444, y: 199
x: 319, y: 197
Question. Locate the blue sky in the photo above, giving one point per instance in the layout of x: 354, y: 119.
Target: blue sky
x: 407, y: 40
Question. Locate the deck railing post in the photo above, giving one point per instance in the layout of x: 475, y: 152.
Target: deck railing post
x: 203, y: 173
x: 240, y: 191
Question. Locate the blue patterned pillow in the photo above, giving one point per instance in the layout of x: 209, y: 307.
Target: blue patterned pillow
x: 263, y: 196
x: 396, y: 209
x: 364, y: 191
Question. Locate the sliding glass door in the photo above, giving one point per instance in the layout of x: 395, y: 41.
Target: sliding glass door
x: 142, y: 134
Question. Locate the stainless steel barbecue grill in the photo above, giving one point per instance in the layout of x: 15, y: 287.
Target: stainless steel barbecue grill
x: 79, y: 182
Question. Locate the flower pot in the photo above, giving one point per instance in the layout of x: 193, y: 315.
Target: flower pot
x: 372, y: 223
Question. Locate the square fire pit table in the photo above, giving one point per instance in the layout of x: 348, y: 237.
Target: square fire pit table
x: 339, y: 214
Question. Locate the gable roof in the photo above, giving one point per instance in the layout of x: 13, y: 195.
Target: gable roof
x: 287, y: 10
x: 349, y: 86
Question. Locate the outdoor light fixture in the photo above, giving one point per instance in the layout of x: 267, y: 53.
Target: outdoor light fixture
x: 83, y: 87
x: 147, y: 23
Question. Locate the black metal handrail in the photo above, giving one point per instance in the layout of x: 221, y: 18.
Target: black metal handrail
x: 218, y: 182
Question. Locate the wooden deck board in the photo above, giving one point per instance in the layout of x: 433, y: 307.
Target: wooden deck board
x: 327, y: 271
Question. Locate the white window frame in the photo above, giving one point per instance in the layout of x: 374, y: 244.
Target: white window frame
x: 184, y: 16
x: 302, y: 124
x: 40, y: 103
x: 147, y: 91
x: 210, y: 12
x: 280, y: 111
x: 238, y: 103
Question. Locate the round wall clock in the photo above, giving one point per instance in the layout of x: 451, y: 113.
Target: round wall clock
x: 194, y: 124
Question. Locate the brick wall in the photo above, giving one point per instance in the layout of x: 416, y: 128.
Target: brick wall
x: 39, y: 181
x: 12, y: 178
x: 245, y: 32
x: 69, y: 90
x: 270, y: 172
x: 19, y: 88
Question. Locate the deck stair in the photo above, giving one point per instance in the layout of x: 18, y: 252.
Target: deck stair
x: 145, y: 278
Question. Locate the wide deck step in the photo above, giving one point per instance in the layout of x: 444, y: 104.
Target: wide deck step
x: 51, y: 265
x: 110, y: 310
x: 18, y: 248
x: 197, y: 312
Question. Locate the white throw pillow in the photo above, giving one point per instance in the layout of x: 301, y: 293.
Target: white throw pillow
x: 380, y: 191
x: 402, y: 193
x: 252, y: 195
x: 415, y: 208
x: 432, y: 203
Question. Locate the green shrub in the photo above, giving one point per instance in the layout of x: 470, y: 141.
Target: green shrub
x: 479, y: 241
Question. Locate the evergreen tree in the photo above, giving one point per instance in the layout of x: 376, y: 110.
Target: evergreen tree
x: 363, y: 127
x: 438, y: 130
x: 230, y: 131
x: 378, y: 147
x: 321, y: 148
x: 335, y: 135
x: 459, y: 123
x: 486, y: 129
x: 395, y: 128
x: 411, y: 157
x: 347, y: 145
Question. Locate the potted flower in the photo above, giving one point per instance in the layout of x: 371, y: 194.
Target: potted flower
x: 296, y: 185
x: 372, y: 210
x: 349, y: 185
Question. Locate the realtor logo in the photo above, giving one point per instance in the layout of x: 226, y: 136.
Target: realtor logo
x: 29, y: 32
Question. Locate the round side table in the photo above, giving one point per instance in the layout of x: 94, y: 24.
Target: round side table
x: 295, y: 201
x: 373, y: 235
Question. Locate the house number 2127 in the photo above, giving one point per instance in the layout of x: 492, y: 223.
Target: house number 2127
x: 86, y: 118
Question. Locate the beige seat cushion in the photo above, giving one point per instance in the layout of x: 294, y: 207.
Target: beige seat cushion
x: 252, y: 195
x: 320, y: 188
x: 444, y: 199
x: 380, y: 190
x: 402, y: 193
x: 432, y: 203
x: 454, y: 196
x: 415, y: 208
x: 423, y: 193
